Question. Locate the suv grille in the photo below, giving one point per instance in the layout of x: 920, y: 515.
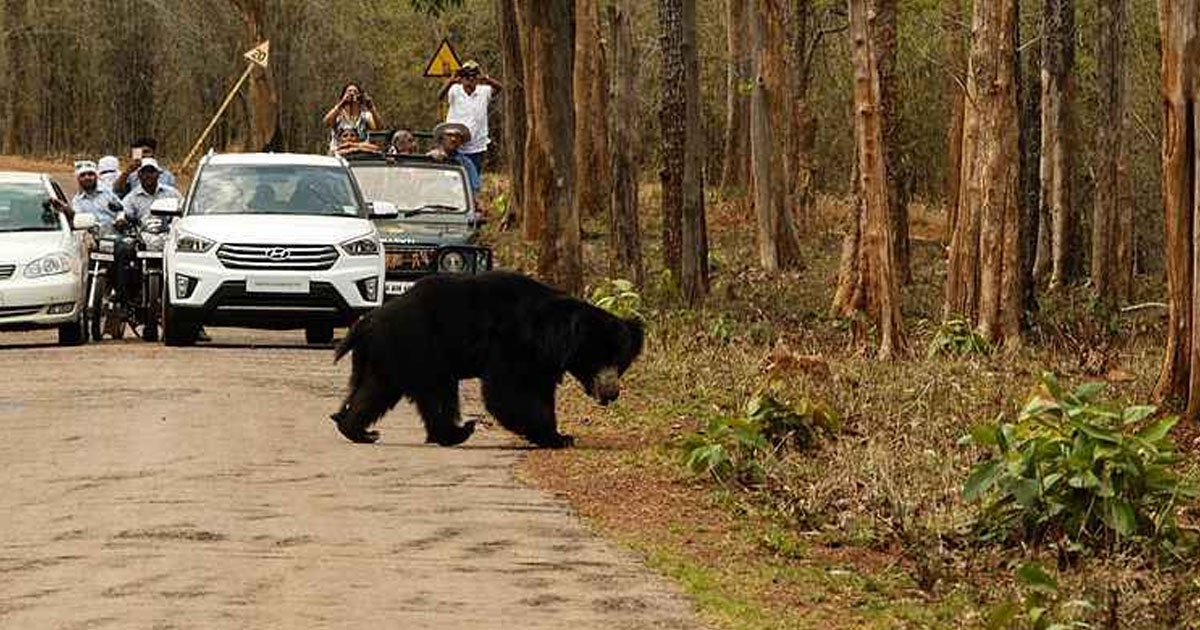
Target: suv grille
x: 278, y: 257
x: 6, y: 271
x: 411, y: 259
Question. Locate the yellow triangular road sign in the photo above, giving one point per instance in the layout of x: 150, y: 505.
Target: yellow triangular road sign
x: 444, y: 63
x: 259, y: 54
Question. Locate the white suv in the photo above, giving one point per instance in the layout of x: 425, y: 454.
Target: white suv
x: 41, y: 273
x: 275, y: 241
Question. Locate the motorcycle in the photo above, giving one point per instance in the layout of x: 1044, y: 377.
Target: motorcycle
x: 125, y: 280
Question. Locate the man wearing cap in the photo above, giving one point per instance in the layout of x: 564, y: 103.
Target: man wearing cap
x: 469, y: 93
x: 150, y: 189
x: 128, y: 180
x: 93, y: 198
x: 449, y: 138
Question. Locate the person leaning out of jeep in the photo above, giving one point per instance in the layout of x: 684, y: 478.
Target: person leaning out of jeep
x: 448, y: 138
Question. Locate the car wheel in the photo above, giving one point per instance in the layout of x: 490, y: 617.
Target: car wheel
x: 318, y: 334
x: 177, y: 330
x: 73, y: 334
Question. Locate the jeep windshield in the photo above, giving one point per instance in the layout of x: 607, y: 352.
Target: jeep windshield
x: 415, y: 188
x: 275, y: 189
x: 22, y: 209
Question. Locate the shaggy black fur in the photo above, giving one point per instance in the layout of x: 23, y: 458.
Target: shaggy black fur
x: 517, y: 335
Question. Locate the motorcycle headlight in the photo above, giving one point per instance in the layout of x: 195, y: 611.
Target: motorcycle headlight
x: 51, y: 265
x: 191, y: 244
x: 453, y: 262
x: 365, y: 246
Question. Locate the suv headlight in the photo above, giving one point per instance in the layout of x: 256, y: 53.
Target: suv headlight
x: 51, y: 265
x: 364, y: 246
x: 191, y: 244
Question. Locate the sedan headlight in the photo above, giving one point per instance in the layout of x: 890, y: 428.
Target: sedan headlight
x: 51, y: 265
x: 364, y: 246
x: 191, y: 244
x: 453, y: 262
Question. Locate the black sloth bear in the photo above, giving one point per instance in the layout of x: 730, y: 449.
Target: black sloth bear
x: 515, y: 334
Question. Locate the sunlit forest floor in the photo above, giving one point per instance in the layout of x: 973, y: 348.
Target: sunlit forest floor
x: 868, y: 530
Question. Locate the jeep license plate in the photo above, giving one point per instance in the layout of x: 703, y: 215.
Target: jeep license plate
x: 395, y: 287
x: 275, y: 284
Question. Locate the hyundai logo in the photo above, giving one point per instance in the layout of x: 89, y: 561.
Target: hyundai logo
x: 279, y: 253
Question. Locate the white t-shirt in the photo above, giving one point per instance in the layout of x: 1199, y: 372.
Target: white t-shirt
x: 472, y: 111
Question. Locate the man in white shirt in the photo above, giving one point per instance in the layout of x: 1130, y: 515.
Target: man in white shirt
x: 469, y: 93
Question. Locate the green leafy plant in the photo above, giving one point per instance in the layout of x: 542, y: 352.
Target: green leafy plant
x: 618, y: 297
x: 736, y: 448
x: 957, y: 337
x: 1042, y: 605
x: 1075, y: 472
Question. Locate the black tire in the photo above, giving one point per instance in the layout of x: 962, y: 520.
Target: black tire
x: 319, y: 334
x: 154, y: 297
x: 177, y: 329
x: 74, y: 333
x: 96, y: 307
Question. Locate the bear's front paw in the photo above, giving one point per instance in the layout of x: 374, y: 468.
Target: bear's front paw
x: 556, y: 440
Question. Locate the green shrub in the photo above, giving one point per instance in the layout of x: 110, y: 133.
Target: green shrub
x: 736, y: 448
x: 1042, y: 604
x: 1075, y: 472
x: 618, y: 297
x: 957, y: 337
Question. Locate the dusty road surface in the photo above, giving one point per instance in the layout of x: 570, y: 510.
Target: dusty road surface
x: 149, y: 487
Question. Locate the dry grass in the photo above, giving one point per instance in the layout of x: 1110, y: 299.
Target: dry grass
x: 879, y: 505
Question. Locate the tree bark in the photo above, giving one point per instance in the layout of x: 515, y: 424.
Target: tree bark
x: 1029, y: 99
x: 1057, y: 213
x: 550, y: 146
x: 264, y: 100
x: 683, y: 148
x: 802, y: 136
x: 625, y: 250
x: 592, y: 158
x: 735, y: 171
x: 983, y: 283
x: 533, y: 215
x: 869, y: 32
x: 1109, y: 280
x: 956, y: 53
x: 515, y: 123
x: 884, y: 32
x: 1179, y: 23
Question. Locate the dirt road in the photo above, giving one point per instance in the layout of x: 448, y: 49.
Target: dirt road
x: 148, y: 487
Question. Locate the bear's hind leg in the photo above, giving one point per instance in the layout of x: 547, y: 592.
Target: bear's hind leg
x: 438, y: 406
x: 364, y: 406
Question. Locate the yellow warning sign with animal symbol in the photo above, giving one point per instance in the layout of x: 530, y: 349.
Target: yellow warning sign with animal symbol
x: 444, y: 63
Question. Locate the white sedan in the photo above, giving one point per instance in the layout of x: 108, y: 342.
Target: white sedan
x: 42, y: 269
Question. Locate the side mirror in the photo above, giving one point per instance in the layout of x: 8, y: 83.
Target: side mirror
x: 165, y: 208
x: 84, y: 221
x: 383, y: 210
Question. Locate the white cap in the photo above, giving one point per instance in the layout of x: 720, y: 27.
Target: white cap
x: 149, y: 163
x: 109, y: 163
x: 85, y: 166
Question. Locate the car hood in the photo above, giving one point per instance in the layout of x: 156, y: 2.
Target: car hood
x: 270, y: 229
x: 425, y: 232
x: 23, y: 247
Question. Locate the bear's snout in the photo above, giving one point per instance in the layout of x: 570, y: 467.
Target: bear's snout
x: 606, y: 387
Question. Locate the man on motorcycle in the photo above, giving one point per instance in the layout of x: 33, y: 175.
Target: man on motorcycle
x: 94, y: 199
x: 138, y: 201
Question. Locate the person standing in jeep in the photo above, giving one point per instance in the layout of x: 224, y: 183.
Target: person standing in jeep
x: 469, y: 93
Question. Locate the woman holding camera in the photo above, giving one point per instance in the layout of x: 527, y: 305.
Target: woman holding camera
x: 355, y: 110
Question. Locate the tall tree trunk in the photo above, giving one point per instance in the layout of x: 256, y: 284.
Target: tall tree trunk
x: 550, y: 155
x: 956, y: 53
x: 592, y: 183
x: 984, y: 282
x: 1108, y: 281
x: 264, y: 100
x: 869, y: 30
x: 515, y: 124
x: 533, y: 214
x: 1058, y: 59
x: 14, y: 45
x: 683, y: 146
x: 1029, y: 142
x: 1179, y: 23
x: 884, y: 23
x: 802, y: 136
x: 735, y: 169
x: 625, y: 249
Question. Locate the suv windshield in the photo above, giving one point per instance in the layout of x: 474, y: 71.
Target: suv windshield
x: 414, y: 187
x: 275, y: 189
x: 22, y: 209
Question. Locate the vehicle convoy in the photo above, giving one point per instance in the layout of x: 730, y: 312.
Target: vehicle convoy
x: 272, y: 241
x: 437, y: 229
x: 41, y: 259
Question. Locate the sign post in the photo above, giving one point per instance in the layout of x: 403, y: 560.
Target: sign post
x: 443, y: 65
x: 258, y: 57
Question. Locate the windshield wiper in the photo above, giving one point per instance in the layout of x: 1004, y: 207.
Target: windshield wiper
x: 432, y: 207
